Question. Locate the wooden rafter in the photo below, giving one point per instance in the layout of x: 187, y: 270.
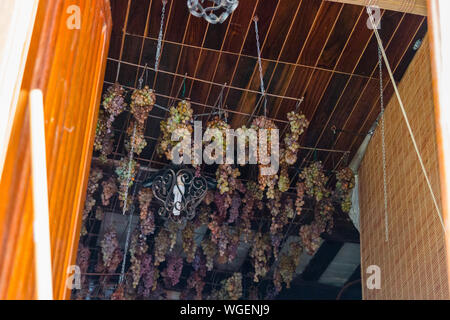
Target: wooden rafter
x: 418, y: 7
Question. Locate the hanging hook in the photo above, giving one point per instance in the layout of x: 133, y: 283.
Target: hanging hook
x: 298, y: 104
x: 261, y: 77
x: 118, y: 71
x: 141, y: 79
x: 184, y: 88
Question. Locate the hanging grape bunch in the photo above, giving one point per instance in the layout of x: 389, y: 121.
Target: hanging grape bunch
x: 136, y: 139
x: 288, y: 209
x: 94, y: 178
x: 83, y: 261
x: 253, y: 194
x: 147, y: 218
x: 299, y: 202
x: 231, y: 288
x: 289, y: 263
x: 234, y: 209
x: 189, y: 245
x: 260, y: 252
x: 279, y: 220
x: 180, y: 119
x: 344, y: 186
x: 218, y: 129
x: 209, y: 197
x: 297, y: 125
x: 264, y: 181
x: 162, y: 245
x: 345, y: 179
x: 219, y: 233
x: 173, y: 228
x: 248, y: 139
x: 210, y: 251
x: 126, y: 171
x: 145, y: 197
x: 142, y: 102
x: 114, y: 104
x: 173, y: 270
x: 310, y: 235
x: 227, y: 179
x: 233, y: 246
x: 323, y: 222
x: 103, y: 141
x: 149, y: 275
x: 284, y: 181
x: 325, y: 206
x: 99, y: 213
x: 108, y: 245
x: 196, y: 281
x: 138, y: 248
x: 315, y: 181
x: 203, y: 215
x: 109, y: 190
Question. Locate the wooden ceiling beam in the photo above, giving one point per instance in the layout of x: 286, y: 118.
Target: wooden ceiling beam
x: 418, y: 7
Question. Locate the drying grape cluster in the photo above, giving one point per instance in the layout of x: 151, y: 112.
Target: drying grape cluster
x: 135, y: 138
x: 297, y: 125
x: 109, y: 245
x: 109, y: 190
x: 126, y: 171
x: 189, y: 245
x: 315, y: 181
x: 93, y: 184
x: 344, y: 186
x: 103, y: 141
x: 265, y: 154
x: 261, y: 252
x: 210, y: 251
x: 138, y: 248
x: 114, y: 104
x: 142, y: 102
x: 173, y: 270
x: 231, y: 288
x: 180, y: 120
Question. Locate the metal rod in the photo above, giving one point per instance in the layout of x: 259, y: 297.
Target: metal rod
x: 206, y: 81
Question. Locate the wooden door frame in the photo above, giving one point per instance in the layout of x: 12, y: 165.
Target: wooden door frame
x: 440, y: 59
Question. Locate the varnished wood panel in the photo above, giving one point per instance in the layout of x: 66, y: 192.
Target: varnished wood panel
x: 70, y: 112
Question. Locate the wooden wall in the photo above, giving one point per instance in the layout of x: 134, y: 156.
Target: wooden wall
x: 68, y: 67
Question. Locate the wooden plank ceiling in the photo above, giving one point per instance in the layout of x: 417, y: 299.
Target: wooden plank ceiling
x: 319, y: 50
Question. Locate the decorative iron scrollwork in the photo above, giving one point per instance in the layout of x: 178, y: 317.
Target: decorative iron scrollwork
x: 209, y: 13
x: 179, y: 192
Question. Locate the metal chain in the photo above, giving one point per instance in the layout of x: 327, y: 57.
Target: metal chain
x: 141, y: 79
x: 127, y: 240
x: 130, y: 162
x: 160, y: 36
x: 261, y: 77
x: 383, y: 147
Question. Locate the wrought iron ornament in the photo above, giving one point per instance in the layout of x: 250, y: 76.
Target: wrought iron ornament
x: 226, y: 7
x: 179, y: 192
